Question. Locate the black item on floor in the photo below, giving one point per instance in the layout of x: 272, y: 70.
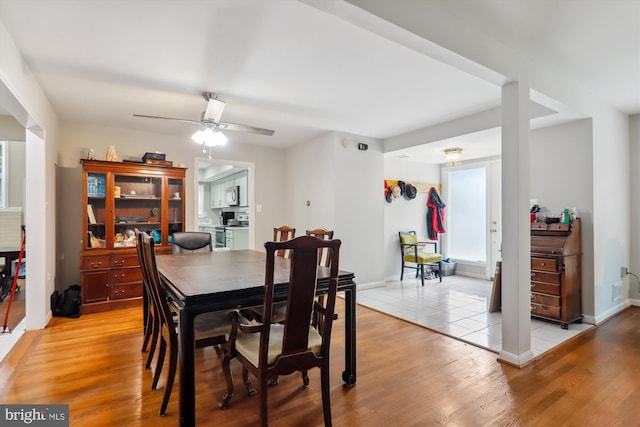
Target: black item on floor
x: 66, y: 303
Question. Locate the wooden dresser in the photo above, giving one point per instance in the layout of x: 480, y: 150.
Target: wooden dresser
x: 556, y: 272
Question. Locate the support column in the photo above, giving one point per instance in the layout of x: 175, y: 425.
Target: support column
x: 516, y: 245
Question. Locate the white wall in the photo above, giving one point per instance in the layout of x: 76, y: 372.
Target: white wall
x: 22, y: 97
x: 358, y: 180
x: 562, y: 177
x: 344, y: 187
x: 310, y: 178
x: 402, y: 214
x: 634, y: 258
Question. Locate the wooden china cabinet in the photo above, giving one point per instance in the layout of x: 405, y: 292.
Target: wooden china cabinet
x: 120, y: 197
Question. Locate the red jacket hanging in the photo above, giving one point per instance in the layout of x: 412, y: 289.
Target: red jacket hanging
x: 435, y: 214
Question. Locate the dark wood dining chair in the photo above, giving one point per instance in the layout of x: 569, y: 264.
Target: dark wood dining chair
x: 267, y: 349
x: 282, y: 234
x: 191, y: 242
x: 415, y: 256
x: 324, y: 257
x: 209, y: 328
x: 151, y: 314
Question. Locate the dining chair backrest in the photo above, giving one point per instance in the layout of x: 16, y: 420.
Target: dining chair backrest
x: 282, y: 234
x: 324, y: 254
x: 151, y: 272
x: 191, y: 242
x: 302, y: 291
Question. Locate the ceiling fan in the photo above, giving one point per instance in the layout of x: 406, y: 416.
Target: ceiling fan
x: 209, y: 134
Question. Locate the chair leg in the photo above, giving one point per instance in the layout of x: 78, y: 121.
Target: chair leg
x: 264, y: 415
x: 305, y: 379
x: 148, y: 328
x: 173, y: 364
x: 155, y: 329
x: 422, y: 273
x: 226, y: 361
x: 247, y: 382
x: 440, y: 270
x: 160, y: 364
x: 402, y: 271
x: 326, y: 394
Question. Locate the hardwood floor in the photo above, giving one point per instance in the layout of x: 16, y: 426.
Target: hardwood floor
x: 407, y: 376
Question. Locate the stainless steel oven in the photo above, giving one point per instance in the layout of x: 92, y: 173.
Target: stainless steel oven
x: 219, y: 237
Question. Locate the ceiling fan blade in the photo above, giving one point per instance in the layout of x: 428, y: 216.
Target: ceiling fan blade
x: 195, y: 122
x: 245, y: 128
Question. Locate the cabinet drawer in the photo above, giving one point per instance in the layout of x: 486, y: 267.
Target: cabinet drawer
x: 119, y: 261
x: 130, y: 290
x: 546, y: 311
x: 544, y: 299
x: 548, y: 264
x: 95, y: 262
x: 539, y: 276
x: 559, y: 227
x: 125, y: 275
x: 545, y: 288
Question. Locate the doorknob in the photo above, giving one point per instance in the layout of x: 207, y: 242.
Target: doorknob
x: 493, y: 230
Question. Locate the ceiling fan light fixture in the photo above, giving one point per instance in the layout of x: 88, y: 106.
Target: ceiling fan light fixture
x: 453, y: 156
x: 215, y: 139
x: 198, y: 136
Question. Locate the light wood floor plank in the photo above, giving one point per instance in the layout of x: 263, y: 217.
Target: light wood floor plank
x: 407, y: 376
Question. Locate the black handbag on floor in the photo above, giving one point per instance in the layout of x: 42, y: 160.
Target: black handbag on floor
x: 66, y: 303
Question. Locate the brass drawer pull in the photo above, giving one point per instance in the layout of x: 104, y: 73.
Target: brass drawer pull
x: 119, y: 277
x: 119, y: 263
x: 96, y: 264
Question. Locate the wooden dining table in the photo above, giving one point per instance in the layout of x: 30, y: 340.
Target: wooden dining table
x: 206, y: 282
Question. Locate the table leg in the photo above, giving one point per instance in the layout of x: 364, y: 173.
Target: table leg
x: 349, y: 374
x: 187, y: 398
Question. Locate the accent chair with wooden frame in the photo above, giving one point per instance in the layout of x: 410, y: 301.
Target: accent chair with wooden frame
x: 267, y: 349
x: 415, y: 256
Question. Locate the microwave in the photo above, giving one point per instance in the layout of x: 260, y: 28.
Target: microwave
x: 232, y: 196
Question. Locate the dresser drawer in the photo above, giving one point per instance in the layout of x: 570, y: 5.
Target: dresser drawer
x: 545, y: 311
x: 545, y: 288
x: 95, y: 262
x: 119, y: 261
x: 544, y: 299
x: 552, y: 277
x: 130, y: 290
x: 548, y: 264
x: 125, y: 275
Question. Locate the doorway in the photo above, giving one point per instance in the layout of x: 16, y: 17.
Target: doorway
x: 209, y: 205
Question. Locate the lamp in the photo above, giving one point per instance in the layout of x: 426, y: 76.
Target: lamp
x: 453, y: 156
x: 209, y: 136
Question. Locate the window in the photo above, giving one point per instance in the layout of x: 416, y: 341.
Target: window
x: 466, y: 235
x: 4, y: 174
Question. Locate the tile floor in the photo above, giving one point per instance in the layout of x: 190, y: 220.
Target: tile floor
x: 458, y: 307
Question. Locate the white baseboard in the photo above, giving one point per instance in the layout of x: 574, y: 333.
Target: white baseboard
x: 611, y: 312
x: 371, y: 285
x: 516, y: 359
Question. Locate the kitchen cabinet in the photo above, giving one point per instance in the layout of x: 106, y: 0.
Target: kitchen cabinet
x: 218, y: 189
x: 556, y: 272
x: 119, y: 198
x: 237, y: 238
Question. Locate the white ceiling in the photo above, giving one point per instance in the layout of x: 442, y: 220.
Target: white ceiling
x: 287, y: 66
